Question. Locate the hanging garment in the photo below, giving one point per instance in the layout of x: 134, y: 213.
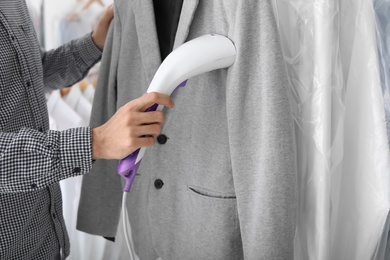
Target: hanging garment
x: 89, y: 92
x: 167, y: 15
x: 382, y: 11
x: 79, y: 103
x: 343, y: 157
x: 83, y: 245
x: 52, y: 123
x: 64, y: 115
x: 71, y: 27
x: 223, y: 185
x: 78, y: 21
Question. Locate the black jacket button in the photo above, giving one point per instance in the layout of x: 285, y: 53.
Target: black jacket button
x: 34, y: 186
x: 77, y: 170
x: 162, y: 139
x: 158, y: 184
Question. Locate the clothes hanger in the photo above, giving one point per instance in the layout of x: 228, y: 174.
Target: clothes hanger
x: 65, y: 91
x: 83, y: 84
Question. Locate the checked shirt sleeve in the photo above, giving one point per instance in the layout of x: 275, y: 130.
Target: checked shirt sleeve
x: 31, y: 160
x: 68, y: 64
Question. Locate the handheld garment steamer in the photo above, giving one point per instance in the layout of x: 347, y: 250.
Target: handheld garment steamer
x: 198, y: 56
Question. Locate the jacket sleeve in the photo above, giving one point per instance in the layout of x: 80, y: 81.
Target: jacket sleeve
x: 261, y: 135
x: 68, y: 64
x: 31, y: 160
x: 104, y: 184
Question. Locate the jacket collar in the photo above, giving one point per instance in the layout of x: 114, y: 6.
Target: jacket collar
x: 147, y: 32
x: 186, y: 17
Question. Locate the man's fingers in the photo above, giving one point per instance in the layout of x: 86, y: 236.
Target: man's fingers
x: 99, y: 35
x: 107, y: 15
x: 148, y: 130
x: 150, y: 99
x: 146, y: 141
x: 153, y: 117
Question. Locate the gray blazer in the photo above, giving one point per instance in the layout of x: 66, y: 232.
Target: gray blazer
x: 228, y: 168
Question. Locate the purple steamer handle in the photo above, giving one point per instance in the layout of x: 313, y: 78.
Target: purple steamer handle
x: 127, y: 167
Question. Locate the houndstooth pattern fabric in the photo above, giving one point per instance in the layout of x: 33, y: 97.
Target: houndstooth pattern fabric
x: 34, y: 159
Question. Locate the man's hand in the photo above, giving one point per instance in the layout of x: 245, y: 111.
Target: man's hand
x: 130, y: 128
x: 100, y: 34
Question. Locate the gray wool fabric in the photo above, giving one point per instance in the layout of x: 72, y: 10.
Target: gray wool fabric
x: 228, y: 168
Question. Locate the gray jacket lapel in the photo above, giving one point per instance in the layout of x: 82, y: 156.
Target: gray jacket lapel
x: 147, y: 32
x: 186, y: 17
x: 147, y: 36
